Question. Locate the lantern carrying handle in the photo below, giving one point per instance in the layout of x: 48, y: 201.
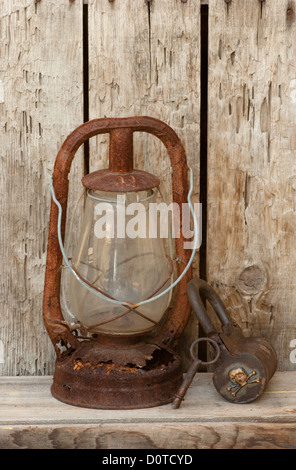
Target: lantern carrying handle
x: 118, y: 302
x: 123, y: 128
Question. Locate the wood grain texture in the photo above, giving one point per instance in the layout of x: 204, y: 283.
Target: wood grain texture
x: 40, y: 104
x: 251, y: 166
x: 146, y: 67
x: 30, y: 418
x: 144, y: 59
x: 140, y: 436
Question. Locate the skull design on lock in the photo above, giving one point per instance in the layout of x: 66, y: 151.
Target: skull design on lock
x: 240, y: 379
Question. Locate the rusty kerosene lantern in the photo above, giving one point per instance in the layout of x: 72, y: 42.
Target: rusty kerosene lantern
x: 126, y: 352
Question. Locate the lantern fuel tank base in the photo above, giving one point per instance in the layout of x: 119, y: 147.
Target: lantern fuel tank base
x: 104, y: 384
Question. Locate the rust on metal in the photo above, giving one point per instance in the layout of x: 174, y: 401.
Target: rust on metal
x: 179, y: 397
x: 106, y: 180
x: 120, y: 176
x: 105, y: 386
x: 193, y: 369
x: 91, y: 377
x: 246, y: 364
x: 121, y: 150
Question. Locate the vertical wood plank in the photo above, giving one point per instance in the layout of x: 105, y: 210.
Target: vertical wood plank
x: 148, y: 65
x: 145, y: 60
x: 40, y: 104
x: 251, y: 166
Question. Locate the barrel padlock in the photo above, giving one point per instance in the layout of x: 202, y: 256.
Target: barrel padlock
x: 246, y: 364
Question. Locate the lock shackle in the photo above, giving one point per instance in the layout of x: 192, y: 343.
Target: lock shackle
x: 198, y: 292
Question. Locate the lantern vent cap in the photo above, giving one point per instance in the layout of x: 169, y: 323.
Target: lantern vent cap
x: 115, y: 181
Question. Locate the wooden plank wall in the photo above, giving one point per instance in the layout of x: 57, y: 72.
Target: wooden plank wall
x: 251, y: 257
x: 40, y: 104
x: 143, y: 64
x: 144, y: 58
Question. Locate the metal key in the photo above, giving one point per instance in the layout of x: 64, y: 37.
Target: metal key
x: 193, y: 369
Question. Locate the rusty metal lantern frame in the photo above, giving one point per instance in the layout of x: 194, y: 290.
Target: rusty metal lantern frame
x: 124, y: 372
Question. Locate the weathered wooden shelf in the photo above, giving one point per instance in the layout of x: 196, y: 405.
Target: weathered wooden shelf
x: 30, y: 418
